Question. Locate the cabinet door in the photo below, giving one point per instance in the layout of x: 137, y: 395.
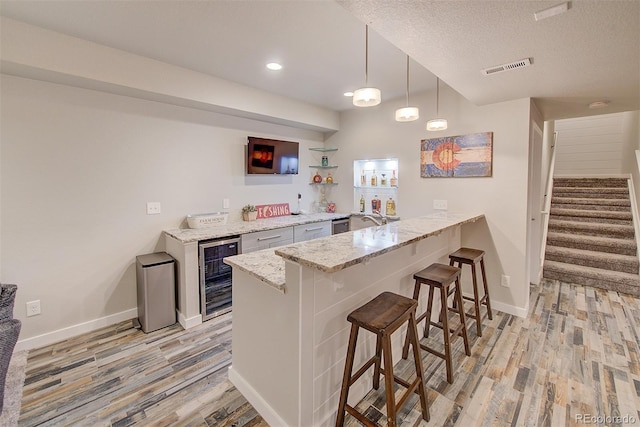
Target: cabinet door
x: 311, y: 231
x: 266, y: 239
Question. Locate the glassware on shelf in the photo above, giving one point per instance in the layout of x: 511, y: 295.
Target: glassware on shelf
x: 374, y: 179
x: 394, y: 179
x: 391, y: 207
x: 376, y: 204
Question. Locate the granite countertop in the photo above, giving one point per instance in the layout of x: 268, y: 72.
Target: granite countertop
x: 334, y: 253
x: 187, y: 235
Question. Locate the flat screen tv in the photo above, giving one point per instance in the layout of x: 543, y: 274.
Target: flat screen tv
x: 272, y: 156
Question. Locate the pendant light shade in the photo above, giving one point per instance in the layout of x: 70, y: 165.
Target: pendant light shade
x: 407, y: 114
x: 437, y: 123
x: 366, y: 96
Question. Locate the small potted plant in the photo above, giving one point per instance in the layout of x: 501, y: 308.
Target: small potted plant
x: 249, y: 213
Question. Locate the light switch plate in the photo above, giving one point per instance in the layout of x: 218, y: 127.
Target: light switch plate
x: 153, y: 208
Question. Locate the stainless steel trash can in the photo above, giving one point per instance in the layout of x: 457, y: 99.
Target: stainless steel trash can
x: 156, y: 277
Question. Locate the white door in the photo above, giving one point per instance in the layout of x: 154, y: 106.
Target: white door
x: 534, y: 207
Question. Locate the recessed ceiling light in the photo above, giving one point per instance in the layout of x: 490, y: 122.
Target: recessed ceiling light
x: 551, y: 11
x: 274, y: 66
x: 348, y: 94
x: 599, y: 104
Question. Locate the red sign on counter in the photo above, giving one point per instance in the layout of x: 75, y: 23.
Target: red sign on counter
x: 269, y: 211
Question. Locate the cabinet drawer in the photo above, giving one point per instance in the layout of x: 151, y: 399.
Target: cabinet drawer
x: 266, y: 239
x: 311, y: 231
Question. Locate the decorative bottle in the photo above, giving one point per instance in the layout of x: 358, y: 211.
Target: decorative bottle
x: 362, y: 203
x: 394, y: 179
x: 317, y: 178
x: 363, y: 179
x: 374, y: 179
x: 375, y: 204
x: 383, y: 181
x: 391, y: 207
x: 329, y: 178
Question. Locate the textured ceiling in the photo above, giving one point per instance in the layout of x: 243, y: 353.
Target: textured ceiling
x: 590, y: 53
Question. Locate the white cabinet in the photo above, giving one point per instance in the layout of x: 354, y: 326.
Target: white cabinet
x: 311, y: 231
x: 266, y: 239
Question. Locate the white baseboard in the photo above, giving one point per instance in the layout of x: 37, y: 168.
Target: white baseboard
x: 510, y: 309
x: 264, y: 409
x: 75, y: 330
x: 190, y: 322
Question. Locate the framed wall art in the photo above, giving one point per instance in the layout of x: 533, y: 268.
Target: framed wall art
x: 457, y: 156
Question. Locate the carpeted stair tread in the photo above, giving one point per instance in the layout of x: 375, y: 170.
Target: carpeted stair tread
x: 612, y: 217
x: 590, y: 258
x: 592, y: 207
x: 592, y: 193
x: 592, y: 213
x: 589, y: 201
x: 595, y: 277
x: 589, y: 182
x: 592, y: 229
x: 602, y: 244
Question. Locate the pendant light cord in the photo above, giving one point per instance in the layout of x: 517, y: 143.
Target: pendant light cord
x: 407, y: 80
x: 366, y: 55
x: 437, y: 96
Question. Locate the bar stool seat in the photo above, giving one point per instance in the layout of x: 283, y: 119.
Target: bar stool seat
x: 441, y: 276
x: 472, y: 257
x: 383, y: 315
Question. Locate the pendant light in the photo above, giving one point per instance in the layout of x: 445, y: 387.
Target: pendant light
x: 366, y: 96
x: 407, y: 114
x: 437, y: 123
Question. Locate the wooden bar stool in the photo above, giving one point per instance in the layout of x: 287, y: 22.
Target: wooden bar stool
x: 472, y: 257
x: 441, y: 276
x: 383, y: 315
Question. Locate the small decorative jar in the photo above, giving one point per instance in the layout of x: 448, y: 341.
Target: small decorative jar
x: 325, y: 161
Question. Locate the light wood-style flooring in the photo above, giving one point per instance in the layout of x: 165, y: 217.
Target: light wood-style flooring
x: 575, y: 357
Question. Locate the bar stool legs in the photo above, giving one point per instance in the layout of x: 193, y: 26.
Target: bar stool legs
x: 442, y: 277
x: 383, y: 315
x: 472, y: 257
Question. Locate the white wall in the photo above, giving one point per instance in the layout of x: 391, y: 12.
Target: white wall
x: 593, y: 145
x: 373, y: 133
x: 77, y: 168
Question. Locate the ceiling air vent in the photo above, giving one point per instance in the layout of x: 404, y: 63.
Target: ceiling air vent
x: 507, y: 67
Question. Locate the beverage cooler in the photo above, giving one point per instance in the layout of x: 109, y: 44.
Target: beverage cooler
x: 215, y: 276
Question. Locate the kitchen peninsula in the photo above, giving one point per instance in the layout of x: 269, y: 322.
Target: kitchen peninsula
x: 290, y: 331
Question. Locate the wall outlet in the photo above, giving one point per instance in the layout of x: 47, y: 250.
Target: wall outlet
x: 506, y: 281
x: 33, y: 308
x: 440, y: 204
x: 153, y: 208
x: 225, y: 203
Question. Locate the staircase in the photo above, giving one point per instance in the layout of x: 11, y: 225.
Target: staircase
x: 591, y: 239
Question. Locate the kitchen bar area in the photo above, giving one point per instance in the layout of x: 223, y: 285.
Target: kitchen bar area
x: 290, y: 329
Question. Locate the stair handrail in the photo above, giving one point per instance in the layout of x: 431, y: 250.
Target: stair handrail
x: 546, y: 210
x: 634, y: 206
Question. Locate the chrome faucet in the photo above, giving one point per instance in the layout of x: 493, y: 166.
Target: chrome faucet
x: 381, y: 221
